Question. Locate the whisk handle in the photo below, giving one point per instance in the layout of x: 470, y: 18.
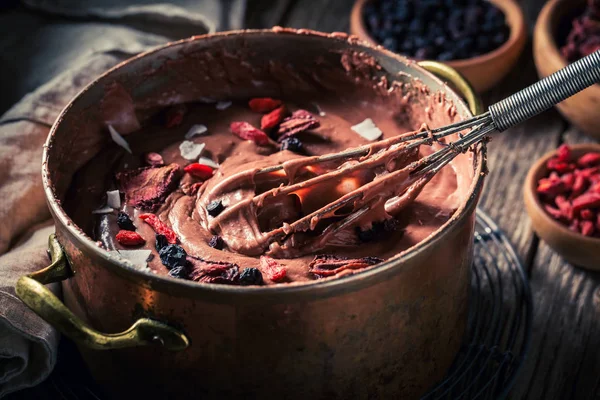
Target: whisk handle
x: 546, y: 92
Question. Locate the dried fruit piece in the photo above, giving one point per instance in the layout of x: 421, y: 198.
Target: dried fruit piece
x: 587, y: 228
x: 272, y: 119
x: 563, y: 153
x: 181, y: 272
x: 587, y: 214
x: 251, y: 276
x: 586, y: 200
x: 160, y: 241
x: 154, y: 159
x: 554, y: 212
x: 200, y: 171
x: 550, y: 187
x: 299, y: 121
x: 173, y: 255
x: 148, y: 187
x: 174, y: 115
x: 213, y: 271
x: 129, y: 238
x: 559, y: 166
x: 292, y: 144
x: 215, y: 208
x: 329, y: 265
x: 589, y: 160
x: 579, y: 186
x: 263, y: 104
x: 272, y: 269
x: 159, y: 227
x: 246, y: 131
x: 564, y: 206
x: 216, y: 242
x: 125, y: 222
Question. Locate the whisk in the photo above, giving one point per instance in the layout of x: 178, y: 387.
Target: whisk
x: 297, y: 207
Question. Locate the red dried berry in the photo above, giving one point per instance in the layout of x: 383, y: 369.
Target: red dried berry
x: 578, y: 186
x: 574, y: 226
x: 199, y: 171
x: 154, y: 159
x: 246, y: 131
x: 588, y: 173
x: 587, y: 214
x: 587, y: 228
x: 550, y: 187
x: 564, y: 206
x: 589, y: 160
x: 559, y: 166
x: 213, y: 271
x: 272, y: 269
x: 598, y: 221
x: 272, y: 119
x: 129, y: 238
x: 159, y: 227
x: 586, y: 200
x: 568, y: 179
x: 263, y: 104
x: 554, y: 212
x: 564, y: 153
x: 174, y: 116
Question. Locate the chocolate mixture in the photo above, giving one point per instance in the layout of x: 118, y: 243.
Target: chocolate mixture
x: 189, y: 192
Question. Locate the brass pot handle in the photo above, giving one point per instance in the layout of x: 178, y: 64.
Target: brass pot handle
x: 458, y: 81
x: 31, y: 290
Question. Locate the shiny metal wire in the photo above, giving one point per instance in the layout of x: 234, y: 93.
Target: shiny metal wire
x: 547, y: 92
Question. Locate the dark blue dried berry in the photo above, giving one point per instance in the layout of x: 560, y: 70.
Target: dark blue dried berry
x: 180, y: 272
x: 390, y: 43
x: 125, y: 222
x: 215, y: 208
x: 216, y: 242
x: 173, y: 256
x: 160, y: 242
x: 292, y: 144
x: 251, y: 276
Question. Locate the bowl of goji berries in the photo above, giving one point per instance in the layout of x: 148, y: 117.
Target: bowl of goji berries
x: 565, y: 31
x: 562, y: 197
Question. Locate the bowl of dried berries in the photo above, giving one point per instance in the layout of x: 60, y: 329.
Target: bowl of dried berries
x: 480, y: 39
x: 564, y: 32
x: 562, y: 197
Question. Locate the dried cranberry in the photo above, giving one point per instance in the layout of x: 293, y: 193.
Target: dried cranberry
x: 251, y: 276
x: 129, y: 238
x: 125, y: 222
x: 272, y: 269
x: 215, y: 208
x: 172, y: 255
x: 216, y: 242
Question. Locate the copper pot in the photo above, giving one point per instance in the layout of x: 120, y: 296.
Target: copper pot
x: 391, y: 331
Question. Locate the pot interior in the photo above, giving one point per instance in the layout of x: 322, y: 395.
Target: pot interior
x: 239, y: 65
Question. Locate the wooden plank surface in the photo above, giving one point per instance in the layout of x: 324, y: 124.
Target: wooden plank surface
x: 563, y: 361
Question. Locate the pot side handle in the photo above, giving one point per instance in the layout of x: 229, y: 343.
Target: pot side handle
x: 31, y: 290
x: 458, y: 81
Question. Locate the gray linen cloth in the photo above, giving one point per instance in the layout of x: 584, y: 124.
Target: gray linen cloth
x: 61, y: 45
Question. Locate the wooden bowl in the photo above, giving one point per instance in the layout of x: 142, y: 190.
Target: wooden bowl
x: 483, y: 71
x: 582, y: 109
x: 577, y: 249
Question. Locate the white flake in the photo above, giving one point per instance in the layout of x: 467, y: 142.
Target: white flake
x: 208, y: 161
x: 368, y: 130
x: 103, y: 210
x: 138, y: 258
x: 113, y: 199
x: 196, y: 130
x: 118, y: 139
x: 190, y: 150
x: 222, y: 105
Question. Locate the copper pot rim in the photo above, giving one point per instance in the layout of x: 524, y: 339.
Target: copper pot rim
x: 317, y: 287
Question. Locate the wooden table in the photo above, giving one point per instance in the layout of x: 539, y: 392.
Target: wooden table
x: 564, y: 359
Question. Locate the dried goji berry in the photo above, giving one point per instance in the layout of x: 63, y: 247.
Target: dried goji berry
x: 272, y: 269
x: 200, y: 171
x: 568, y: 179
x: 159, y: 227
x: 565, y: 207
x: 174, y: 116
x: 559, y: 166
x: 246, y: 131
x: 554, y: 212
x: 578, y: 186
x: 263, y: 104
x: 587, y: 214
x: 587, y: 228
x: 564, y: 153
x: 272, y: 119
x: 587, y: 173
x: 129, y: 238
x: 550, y: 188
x: 586, y: 200
x: 589, y: 160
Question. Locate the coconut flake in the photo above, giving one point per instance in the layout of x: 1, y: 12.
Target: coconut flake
x: 196, y: 130
x: 223, y: 105
x: 207, y: 161
x: 138, y: 258
x: 113, y: 199
x: 103, y: 210
x: 367, y: 129
x: 118, y: 139
x: 190, y: 150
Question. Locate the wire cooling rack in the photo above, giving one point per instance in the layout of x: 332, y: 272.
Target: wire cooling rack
x: 497, y: 338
